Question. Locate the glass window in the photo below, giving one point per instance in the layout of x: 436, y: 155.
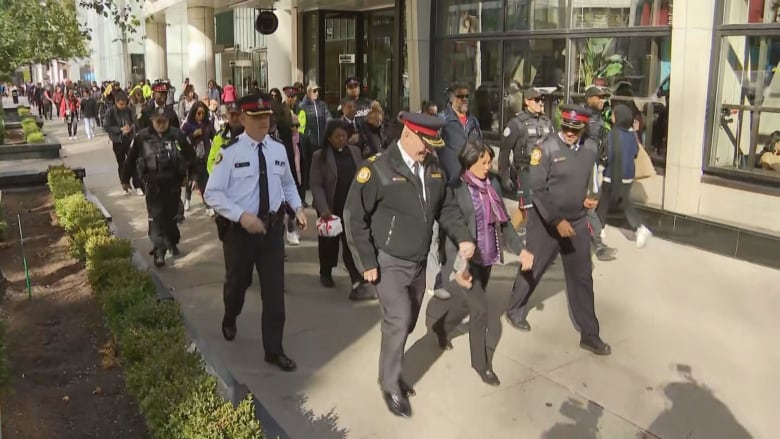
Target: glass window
x: 539, y: 63
x: 750, y: 11
x: 636, y: 71
x: 747, y: 125
x: 478, y: 65
x: 525, y: 15
x: 457, y: 17
x: 621, y: 13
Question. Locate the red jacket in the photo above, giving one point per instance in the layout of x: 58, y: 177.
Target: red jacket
x: 71, y: 104
x: 229, y: 94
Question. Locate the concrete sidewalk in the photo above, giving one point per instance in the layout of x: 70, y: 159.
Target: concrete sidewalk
x: 692, y: 336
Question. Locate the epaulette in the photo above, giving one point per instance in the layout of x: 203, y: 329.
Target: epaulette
x: 232, y: 142
x: 225, y: 131
x: 373, y: 158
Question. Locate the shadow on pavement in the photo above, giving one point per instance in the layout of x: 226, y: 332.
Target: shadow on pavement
x: 695, y: 409
x: 586, y: 421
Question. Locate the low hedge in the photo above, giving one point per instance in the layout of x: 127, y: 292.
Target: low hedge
x: 37, y: 137
x: 175, y: 394
x: 23, y: 111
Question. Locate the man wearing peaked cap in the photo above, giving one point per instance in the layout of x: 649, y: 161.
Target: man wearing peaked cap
x: 161, y: 90
x: 353, y: 89
x: 388, y: 218
x: 564, y: 187
x: 250, y: 180
x: 230, y: 131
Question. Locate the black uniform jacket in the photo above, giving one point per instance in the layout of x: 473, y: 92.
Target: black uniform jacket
x: 384, y: 210
x: 560, y: 177
x: 507, y: 235
x: 186, y: 152
x: 146, y: 116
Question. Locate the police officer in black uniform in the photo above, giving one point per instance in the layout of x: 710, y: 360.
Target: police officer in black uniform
x: 161, y: 89
x: 523, y: 133
x: 161, y: 155
x: 389, y: 215
x: 353, y: 90
x: 562, y: 181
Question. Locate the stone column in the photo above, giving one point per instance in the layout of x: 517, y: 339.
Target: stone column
x: 156, y: 61
x: 200, y: 66
x: 691, y: 47
x: 54, y: 71
x: 418, y: 44
x: 280, y: 51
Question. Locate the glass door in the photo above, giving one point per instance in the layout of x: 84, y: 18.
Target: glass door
x: 341, y: 55
x: 379, y: 56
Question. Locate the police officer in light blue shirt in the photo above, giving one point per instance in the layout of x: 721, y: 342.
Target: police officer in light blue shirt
x: 250, y: 179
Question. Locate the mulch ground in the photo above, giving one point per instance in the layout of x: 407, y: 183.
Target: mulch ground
x: 65, y: 382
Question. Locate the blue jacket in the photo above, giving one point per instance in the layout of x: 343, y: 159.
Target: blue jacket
x: 628, y: 152
x: 455, y: 136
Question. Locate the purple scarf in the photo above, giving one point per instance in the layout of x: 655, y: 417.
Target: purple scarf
x: 489, y: 211
x: 491, y: 202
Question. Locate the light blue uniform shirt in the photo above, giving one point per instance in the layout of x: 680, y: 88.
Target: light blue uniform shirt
x: 234, y: 184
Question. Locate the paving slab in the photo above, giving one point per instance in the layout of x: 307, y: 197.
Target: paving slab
x: 692, y: 335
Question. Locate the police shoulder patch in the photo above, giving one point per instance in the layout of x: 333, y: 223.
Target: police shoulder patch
x: 232, y: 142
x: 363, y: 175
x: 218, y: 159
x: 507, y: 131
x: 536, y: 156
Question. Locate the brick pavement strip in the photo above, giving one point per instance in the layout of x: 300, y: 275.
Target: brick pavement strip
x: 681, y: 339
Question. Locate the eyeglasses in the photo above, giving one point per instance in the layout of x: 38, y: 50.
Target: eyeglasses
x: 466, y: 96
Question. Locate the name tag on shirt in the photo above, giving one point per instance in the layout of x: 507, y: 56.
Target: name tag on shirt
x: 279, y: 163
x: 559, y: 159
x: 241, y: 165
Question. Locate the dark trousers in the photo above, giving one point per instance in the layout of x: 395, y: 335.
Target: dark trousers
x: 307, y: 151
x: 73, y: 124
x: 400, y: 289
x: 329, y: 255
x: 120, y: 153
x: 265, y: 253
x: 618, y: 196
x: 544, y: 242
x: 201, y: 178
x: 447, y: 314
x: 161, y: 207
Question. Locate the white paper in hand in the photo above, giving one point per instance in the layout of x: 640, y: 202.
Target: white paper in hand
x: 329, y: 228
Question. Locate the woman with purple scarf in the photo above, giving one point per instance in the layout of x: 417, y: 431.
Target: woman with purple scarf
x: 488, y: 221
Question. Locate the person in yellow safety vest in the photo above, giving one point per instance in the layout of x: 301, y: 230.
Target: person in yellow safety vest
x: 232, y: 129
x: 147, y: 90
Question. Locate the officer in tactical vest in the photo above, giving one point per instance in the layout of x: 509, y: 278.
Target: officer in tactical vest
x: 522, y: 134
x: 161, y: 155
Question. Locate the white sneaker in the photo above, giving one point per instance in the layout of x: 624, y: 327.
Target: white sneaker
x: 126, y: 191
x: 139, y: 192
x: 187, y: 205
x: 603, y: 233
x: 293, y: 238
x: 210, y: 212
x: 642, y: 235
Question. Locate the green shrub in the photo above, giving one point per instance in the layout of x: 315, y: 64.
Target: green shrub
x: 38, y: 137
x: 5, y: 374
x: 29, y: 130
x: 76, y: 213
x: 29, y: 121
x: 23, y: 111
x: 66, y: 186
x: 174, y: 393
x: 100, y: 248
x: 78, y: 240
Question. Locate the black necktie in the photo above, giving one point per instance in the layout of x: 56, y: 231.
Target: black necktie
x: 264, y: 203
x: 420, y: 188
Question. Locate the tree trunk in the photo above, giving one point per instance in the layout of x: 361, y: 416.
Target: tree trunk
x: 127, y: 62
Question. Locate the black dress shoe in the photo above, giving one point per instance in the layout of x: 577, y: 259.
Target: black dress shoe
x: 327, y: 280
x: 229, y: 328
x: 364, y: 291
x: 522, y: 325
x: 489, y: 377
x: 604, y: 253
x: 595, y: 345
x: 444, y: 343
x: 406, y: 389
x: 175, y: 251
x: 281, y: 361
x: 397, y: 404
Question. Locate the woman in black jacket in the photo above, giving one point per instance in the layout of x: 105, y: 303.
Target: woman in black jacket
x: 489, y: 223
x: 371, y: 131
x: 200, y: 132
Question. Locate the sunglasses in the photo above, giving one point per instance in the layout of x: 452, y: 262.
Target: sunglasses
x: 537, y: 100
x: 316, y: 90
x: 462, y: 96
x: 569, y: 129
x: 274, y: 95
